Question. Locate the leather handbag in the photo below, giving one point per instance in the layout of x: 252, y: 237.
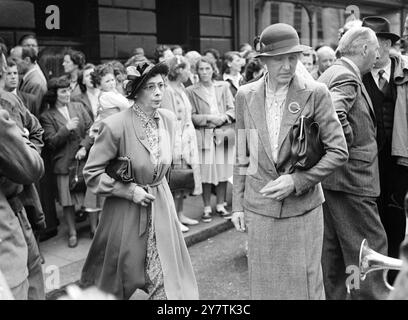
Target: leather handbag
x: 225, y: 134
x: 120, y: 169
x: 181, y: 177
x: 306, y: 146
x: 76, y: 177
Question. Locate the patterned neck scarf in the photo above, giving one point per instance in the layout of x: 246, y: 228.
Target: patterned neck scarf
x: 151, y: 129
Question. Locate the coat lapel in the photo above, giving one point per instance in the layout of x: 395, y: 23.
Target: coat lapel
x: 58, y: 116
x: 200, y: 92
x: 296, y: 99
x: 256, y: 109
x: 140, y: 134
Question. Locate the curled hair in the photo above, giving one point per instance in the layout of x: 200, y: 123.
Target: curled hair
x: 175, y: 64
x: 229, y: 57
x: 99, y: 72
x: 159, y: 51
x: 211, y: 63
x: 214, y: 52
x: 88, y: 66
x: 53, y: 85
x: 77, y: 57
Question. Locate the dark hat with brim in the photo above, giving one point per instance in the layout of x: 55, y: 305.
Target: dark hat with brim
x: 278, y: 39
x: 381, y: 27
x: 138, y: 74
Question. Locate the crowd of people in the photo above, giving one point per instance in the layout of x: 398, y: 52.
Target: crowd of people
x: 115, y: 138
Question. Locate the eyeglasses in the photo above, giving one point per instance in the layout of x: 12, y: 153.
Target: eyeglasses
x: 152, y: 87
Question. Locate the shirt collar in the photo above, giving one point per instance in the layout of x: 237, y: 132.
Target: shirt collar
x: 387, y: 70
x: 281, y: 90
x: 353, y: 65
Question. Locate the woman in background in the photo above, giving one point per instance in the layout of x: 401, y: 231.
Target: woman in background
x: 66, y: 132
x: 73, y: 63
x: 185, y: 151
x: 213, y: 106
x: 232, y: 67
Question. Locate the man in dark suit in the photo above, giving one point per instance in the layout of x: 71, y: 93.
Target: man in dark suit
x: 388, y: 89
x: 350, y: 210
x: 33, y: 80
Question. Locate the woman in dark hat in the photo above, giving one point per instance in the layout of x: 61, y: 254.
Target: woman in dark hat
x: 138, y: 243
x: 66, y: 126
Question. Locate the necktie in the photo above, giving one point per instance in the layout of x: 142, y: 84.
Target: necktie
x: 382, y: 82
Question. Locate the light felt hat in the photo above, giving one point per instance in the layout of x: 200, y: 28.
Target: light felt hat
x: 280, y: 38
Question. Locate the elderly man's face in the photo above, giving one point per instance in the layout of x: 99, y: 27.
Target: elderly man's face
x: 282, y: 67
x: 371, y: 55
x: 326, y: 57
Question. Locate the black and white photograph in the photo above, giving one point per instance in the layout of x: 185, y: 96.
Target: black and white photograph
x: 222, y: 151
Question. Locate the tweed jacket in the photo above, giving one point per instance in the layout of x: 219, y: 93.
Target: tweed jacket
x: 201, y: 109
x: 36, y: 85
x: 254, y: 166
x: 21, y: 164
x: 353, y: 105
x: 64, y: 143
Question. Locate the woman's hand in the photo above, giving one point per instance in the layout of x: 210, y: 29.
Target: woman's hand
x: 72, y: 124
x: 141, y: 197
x: 220, y: 120
x: 238, y: 219
x: 280, y: 188
x: 81, y: 154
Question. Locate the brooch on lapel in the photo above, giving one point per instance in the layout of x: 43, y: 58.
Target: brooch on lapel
x: 294, y: 107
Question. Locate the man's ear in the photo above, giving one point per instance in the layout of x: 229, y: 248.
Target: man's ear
x: 27, y: 60
x: 365, y: 49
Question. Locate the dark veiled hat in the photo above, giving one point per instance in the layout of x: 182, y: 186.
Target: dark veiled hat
x: 381, y: 27
x: 279, y: 38
x: 138, y: 74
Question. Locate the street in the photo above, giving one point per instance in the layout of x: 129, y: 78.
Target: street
x: 220, y: 266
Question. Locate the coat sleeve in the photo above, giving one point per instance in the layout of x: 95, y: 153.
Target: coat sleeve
x: 52, y: 137
x: 241, y: 156
x: 20, y: 162
x: 230, y: 108
x: 344, y: 95
x: 104, y: 150
x: 332, y: 137
x: 87, y: 141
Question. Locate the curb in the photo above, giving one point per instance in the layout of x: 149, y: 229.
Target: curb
x: 219, y: 225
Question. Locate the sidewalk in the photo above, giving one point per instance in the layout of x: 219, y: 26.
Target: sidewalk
x: 66, y: 263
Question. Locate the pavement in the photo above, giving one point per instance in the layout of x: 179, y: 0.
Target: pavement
x: 63, y: 265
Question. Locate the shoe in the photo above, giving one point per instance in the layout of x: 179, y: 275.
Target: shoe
x: 72, y: 241
x: 224, y: 213
x: 206, y: 217
x: 187, y: 221
x: 183, y: 228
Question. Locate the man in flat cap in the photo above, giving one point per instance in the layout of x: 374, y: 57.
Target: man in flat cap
x: 281, y: 204
x: 387, y: 86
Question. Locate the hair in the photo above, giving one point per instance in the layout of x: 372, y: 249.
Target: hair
x: 138, y: 51
x: 27, y: 36
x: 176, y: 46
x: 117, y: 67
x: 312, y: 53
x: 88, y: 66
x: 242, y: 45
x: 136, y: 59
x: 211, y: 63
x: 175, y: 64
x: 353, y: 41
x: 253, y: 65
x: 29, y: 52
x: 159, y: 51
x: 77, y: 57
x: 214, y: 52
x: 192, y: 57
x: 349, y: 25
x: 101, y: 71
x: 53, y: 85
x: 229, y: 57
x: 11, y: 63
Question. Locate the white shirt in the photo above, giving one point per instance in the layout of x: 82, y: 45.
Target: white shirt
x: 64, y: 111
x: 386, y: 75
x: 94, y: 100
x: 274, y: 103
